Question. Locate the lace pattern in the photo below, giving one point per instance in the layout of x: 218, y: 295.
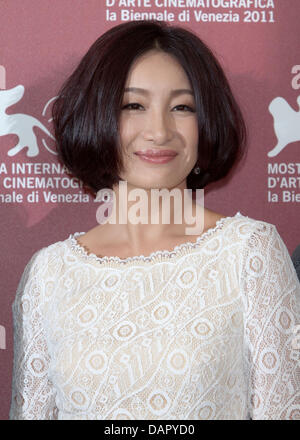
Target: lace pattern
x: 208, y: 334
x: 154, y: 256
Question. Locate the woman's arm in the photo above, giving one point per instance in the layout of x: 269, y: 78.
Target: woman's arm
x: 33, y: 396
x: 272, y: 304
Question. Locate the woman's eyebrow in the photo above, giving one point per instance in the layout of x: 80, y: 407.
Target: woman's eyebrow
x: 174, y: 92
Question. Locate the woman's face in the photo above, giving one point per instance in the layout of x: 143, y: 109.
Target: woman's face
x: 159, y: 116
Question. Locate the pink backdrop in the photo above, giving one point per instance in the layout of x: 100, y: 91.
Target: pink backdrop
x: 257, y: 43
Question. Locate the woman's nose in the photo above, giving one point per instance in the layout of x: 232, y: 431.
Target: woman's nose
x: 158, y: 128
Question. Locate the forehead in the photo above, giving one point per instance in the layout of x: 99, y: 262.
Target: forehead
x: 156, y: 68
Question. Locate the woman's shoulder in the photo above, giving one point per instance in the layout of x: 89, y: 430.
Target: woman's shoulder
x: 246, y: 229
x: 255, y: 224
x: 260, y: 239
x: 253, y: 228
x: 43, y: 255
x: 242, y: 221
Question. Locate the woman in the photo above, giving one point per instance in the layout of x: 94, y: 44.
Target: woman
x: 138, y: 320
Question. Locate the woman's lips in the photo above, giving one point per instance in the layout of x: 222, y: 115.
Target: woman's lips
x: 157, y: 153
x: 156, y: 156
x: 156, y: 159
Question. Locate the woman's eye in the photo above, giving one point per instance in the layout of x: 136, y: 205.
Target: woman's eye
x: 136, y: 106
x: 185, y: 108
x: 131, y: 106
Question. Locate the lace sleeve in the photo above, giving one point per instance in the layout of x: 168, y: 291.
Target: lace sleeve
x: 272, y: 295
x: 32, y: 394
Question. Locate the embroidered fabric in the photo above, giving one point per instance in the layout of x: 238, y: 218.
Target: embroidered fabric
x: 207, y: 331
x: 178, y: 250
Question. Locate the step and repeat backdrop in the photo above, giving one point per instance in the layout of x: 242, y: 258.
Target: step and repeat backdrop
x: 41, y: 42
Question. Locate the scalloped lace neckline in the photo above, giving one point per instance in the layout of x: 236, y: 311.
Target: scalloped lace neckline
x: 177, y: 250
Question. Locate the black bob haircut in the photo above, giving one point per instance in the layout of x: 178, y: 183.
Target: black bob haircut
x: 86, y: 111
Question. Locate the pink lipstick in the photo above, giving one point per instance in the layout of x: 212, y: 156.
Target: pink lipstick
x: 156, y: 156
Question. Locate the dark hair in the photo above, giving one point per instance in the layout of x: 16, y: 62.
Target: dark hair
x: 86, y: 111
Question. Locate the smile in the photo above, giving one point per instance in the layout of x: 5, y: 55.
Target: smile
x: 156, y: 156
x: 155, y: 159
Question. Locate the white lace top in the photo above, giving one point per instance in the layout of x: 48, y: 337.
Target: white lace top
x: 207, y: 331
